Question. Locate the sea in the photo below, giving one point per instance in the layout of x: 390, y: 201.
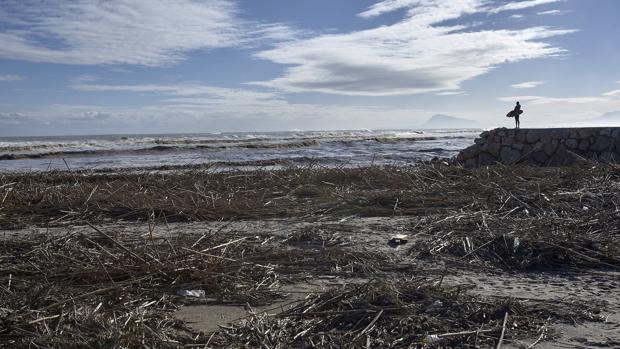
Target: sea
x: 231, y: 151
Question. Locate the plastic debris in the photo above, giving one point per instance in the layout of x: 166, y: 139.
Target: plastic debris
x: 398, y: 239
x: 432, y: 338
x: 436, y: 305
x: 191, y: 293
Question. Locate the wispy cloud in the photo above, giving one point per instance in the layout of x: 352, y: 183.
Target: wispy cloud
x: 140, y: 32
x: 521, y: 5
x: 615, y: 93
x: 185, y: 107
x: 416, y: 55
x: 12, y: 118
x: 425, y: 10
x: 182, y: 89
x: 527, y: 84
x: 573, y: 110
x: 9, y: 78
x: 551, y: 13
x: 604, y: 97
x: 450, y: 93
x: 550, y: 100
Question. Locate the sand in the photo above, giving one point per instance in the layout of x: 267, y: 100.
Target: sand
x: 372, y: 234
x: 361, y: 211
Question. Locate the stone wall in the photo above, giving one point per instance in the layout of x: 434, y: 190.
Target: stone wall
x: 543, y: 147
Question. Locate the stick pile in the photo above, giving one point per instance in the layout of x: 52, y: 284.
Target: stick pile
x: 405, y: 314
x: 92, y: 288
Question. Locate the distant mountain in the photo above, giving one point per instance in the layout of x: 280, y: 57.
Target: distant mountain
x: 444, y: 121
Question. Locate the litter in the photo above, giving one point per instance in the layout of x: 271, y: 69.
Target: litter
x: 191, y: 293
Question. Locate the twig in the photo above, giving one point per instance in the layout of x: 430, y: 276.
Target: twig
x: 117, y: 243
x: 501, y: 337
x: 369, y: 325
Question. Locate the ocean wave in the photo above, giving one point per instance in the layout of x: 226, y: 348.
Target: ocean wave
x: 432, y: 150
x: 33, y: 147
x: 242, y: 150
x: 155, y: 149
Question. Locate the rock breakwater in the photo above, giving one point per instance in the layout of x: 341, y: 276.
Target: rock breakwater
x: 543, y: 147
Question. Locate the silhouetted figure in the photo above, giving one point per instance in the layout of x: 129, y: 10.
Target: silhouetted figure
x: 515, y: 113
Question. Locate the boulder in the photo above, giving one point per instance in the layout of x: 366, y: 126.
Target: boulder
x: 509, y: 155
x: 533, y: 136
x: 494, y: 149
x: 564, y: 133
x: 485, y: 159
x: 540, y: 157
x: 470, y: 163
x: 572, y: 143
x: 584, y: 133
x: 602, y: 143
x: 508, y: 141
x: 468, y: 153
x: 549, y: 148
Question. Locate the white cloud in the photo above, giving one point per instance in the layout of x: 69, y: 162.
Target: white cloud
x: 194, y: 107
x: 615, y: 93
x: 417, y: 55
x: 386, y: 6
x: 521, y: 5
x: 9, y: 78
x: 551, y: 12
x: 551, y: 100
x: 140, y: 32
x: 450, y: 93
x: 574, y: 110
x: 527, y: 84
x: 183, y: 89
x: 425, y: 11
x: 12, y: 118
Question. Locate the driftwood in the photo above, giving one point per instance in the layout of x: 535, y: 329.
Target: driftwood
x: 96, y: 287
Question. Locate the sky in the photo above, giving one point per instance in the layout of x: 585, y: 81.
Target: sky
x: 189, y: 66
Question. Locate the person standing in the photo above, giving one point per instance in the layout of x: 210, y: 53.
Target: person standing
x: 515, y: 113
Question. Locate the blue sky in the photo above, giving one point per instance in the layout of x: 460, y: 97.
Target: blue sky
x: 150, y: 66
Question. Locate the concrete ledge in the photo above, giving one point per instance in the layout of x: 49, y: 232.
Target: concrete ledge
x: 543, y: 147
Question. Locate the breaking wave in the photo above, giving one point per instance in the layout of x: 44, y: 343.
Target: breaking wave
x: 356, y: 147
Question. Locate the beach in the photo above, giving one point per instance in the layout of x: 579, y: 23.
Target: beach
x: 430, y: 254
x: 276, y: 174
